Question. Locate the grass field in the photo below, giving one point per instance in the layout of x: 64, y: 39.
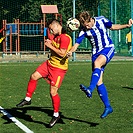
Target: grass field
x: 78, y: 113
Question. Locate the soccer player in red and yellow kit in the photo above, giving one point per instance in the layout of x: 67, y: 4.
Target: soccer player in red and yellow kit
x: 54, y: 69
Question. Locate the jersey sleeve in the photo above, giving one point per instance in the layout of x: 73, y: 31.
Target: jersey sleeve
x: 80, y: 37
x: 107, y: 23
x: 64, y: 42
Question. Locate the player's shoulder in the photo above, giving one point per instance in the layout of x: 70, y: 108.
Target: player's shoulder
x: 65, y: 36
x: 102, y: 19
x: 99, y: 18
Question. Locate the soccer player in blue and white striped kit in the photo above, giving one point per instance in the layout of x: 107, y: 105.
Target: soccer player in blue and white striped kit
x: 95, y: 29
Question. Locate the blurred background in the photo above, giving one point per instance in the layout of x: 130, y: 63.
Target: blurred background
x: 22, y: 26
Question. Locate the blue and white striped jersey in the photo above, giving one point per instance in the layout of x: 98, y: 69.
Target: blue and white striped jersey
x: 97, y: 35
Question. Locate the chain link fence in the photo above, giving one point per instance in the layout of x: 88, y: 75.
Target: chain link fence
x: 119, y: 13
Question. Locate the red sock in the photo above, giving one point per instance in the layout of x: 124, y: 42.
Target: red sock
x: 56, y: 102
x: 31, y: 87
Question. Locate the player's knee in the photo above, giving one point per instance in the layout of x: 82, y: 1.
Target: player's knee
x: 53, y: 93
x: 35, y: 76
x: 99, y: 82
x: 97, y: 64
x: 100, y: 61
x: 53, y: 90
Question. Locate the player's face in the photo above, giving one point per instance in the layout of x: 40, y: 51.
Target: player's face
x: 54, y: 29
x: 89, y: 25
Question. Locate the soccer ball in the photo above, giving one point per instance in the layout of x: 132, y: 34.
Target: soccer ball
x: 73, y: 24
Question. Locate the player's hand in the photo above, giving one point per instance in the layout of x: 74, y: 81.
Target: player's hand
x: 69, y: 54
x: 130, y: 22
x: 48, y: 43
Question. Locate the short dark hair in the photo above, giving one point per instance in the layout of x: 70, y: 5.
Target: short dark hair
x: 54, y: 21
x: 58, y: 22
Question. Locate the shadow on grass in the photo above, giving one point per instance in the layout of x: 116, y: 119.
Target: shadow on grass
x: 21, y: 113
x: 128, y: 88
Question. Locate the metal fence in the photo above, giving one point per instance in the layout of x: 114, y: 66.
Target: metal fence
x: 119, y: 13
x: 31, y: 37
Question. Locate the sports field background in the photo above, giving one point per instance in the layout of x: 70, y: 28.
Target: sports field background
x: 29, y: 12
x: 78, y: 113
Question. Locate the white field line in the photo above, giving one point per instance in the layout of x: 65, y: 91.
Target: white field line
x: 13, y: 119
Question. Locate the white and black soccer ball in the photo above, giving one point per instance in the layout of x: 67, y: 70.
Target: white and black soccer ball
x: 73, y: 24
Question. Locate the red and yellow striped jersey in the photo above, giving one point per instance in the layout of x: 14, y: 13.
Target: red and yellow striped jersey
x: 62, y: 41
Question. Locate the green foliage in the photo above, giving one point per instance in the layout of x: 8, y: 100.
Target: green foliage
x: 30, y: 11
x: 123, y: 11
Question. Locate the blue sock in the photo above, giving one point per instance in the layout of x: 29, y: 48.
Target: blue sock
x: 101, y: 89
x: 94, y: 78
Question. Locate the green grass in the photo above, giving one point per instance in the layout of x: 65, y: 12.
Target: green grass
x: 78, y: 113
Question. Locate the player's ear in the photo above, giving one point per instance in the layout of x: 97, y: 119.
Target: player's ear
x: 91, y: 19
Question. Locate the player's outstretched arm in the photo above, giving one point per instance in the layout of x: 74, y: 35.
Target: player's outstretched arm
x: 122, y: 26
x: 73, y: 49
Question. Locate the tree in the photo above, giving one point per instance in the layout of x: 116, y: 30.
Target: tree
x: 30, y: 10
